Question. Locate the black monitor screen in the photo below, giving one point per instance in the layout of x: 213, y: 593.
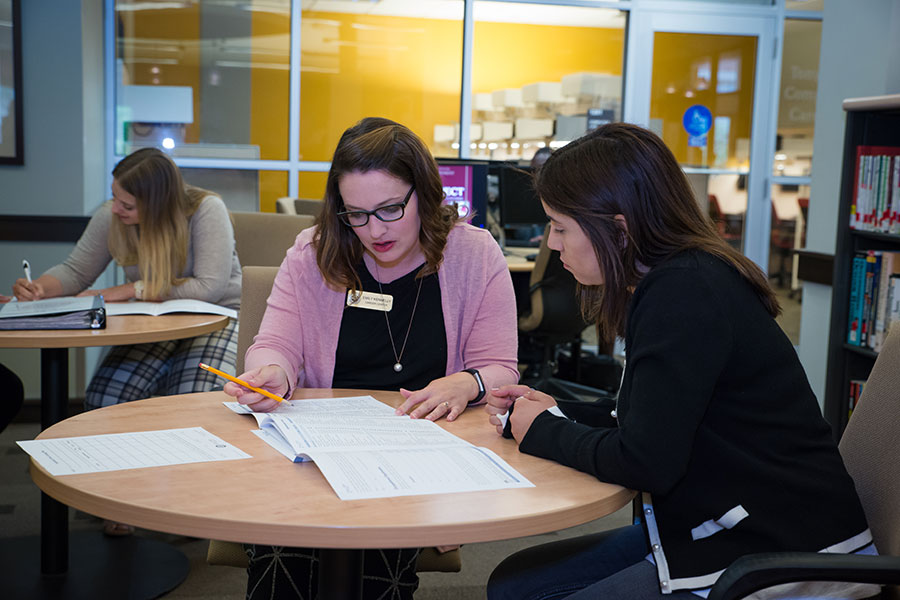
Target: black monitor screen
x: 465, y: 185
x: 519, y: 203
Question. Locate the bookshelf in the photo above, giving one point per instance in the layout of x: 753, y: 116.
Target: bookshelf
x: 870, y: 122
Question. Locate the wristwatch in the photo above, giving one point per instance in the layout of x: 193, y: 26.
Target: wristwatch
x: 139, y: 289
x: 479, y: 381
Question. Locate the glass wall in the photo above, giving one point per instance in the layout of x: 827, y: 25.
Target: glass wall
x: 204, y: 79
x: 792, y: 161
x: 211, y: 81
x: 797, y: 97
x: 697, y: 76
x: 541, y: 75
x: 402, y: 61
x: 242, y: 189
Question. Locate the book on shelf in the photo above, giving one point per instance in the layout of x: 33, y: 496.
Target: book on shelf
x: 364, y: 450
x: 857, y: 280
x: 180, y: 305
x: 875, y: 205
x: 874, y: 297
x: 856, y: 390
x: 68, y: 312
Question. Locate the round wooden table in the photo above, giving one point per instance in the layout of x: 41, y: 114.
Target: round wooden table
x: 269, y: 500
x: 54, y: 345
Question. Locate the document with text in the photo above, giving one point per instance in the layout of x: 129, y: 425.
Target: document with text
x: 365, y: 451
x: 116, y: 451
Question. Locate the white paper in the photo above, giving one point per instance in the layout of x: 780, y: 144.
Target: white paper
x: 352, y: 406
x: 116, y: 451
x: 365, y: 451
x: 183, y: 305
x: 385, y: 473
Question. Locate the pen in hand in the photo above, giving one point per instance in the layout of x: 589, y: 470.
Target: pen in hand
x: 27, y: 268
x: 265, y: 393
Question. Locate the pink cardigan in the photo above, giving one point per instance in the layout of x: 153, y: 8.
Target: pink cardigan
x: 300, y: 328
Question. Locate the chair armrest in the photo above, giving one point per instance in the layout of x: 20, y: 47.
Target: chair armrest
x: 757, y: 571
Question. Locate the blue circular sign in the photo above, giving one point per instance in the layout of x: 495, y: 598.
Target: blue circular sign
x: 697, y: 120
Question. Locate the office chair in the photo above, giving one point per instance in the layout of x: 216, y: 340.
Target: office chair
x: 555, y: 319
x: 256, y: 285
x: 872, y: 456
x: 730, y: 227
x: 298, y: 206
x: 782, y: 243
x: 262, y: 239
x: 285, y: 206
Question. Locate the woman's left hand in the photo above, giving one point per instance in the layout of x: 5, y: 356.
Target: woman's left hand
x: 444, y: 397
x: 119, y: 293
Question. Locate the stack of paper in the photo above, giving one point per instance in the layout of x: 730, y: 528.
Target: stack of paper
x: 365, y: 451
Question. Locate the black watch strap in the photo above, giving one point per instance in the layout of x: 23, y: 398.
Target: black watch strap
x: 479, y: 381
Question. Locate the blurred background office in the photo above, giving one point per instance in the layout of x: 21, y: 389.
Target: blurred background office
x: 250, y: 96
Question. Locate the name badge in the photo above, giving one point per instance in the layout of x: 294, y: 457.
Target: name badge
x: 370, y: 300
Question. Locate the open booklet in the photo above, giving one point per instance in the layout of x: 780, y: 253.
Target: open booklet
x: 365, y: 451
x: 180, y: 305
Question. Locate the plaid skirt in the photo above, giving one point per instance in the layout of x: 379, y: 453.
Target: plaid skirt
x: 162, y: 368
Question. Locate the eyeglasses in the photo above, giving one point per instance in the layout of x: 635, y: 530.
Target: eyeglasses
x: 386, y: 214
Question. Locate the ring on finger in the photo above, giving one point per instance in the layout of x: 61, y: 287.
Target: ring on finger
x: 445, y: 404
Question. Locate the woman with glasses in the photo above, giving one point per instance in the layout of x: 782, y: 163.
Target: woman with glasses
x: 390, y: 291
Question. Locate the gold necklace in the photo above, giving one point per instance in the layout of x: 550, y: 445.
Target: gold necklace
x: 398, y: 366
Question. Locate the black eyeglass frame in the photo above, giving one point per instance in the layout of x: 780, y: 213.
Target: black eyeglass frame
x: 344, y: 215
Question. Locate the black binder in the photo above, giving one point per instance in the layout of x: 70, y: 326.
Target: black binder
x: 88, y: 312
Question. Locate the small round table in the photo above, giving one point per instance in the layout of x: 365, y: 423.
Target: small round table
x: 55, y: 578
x: 269, y: 500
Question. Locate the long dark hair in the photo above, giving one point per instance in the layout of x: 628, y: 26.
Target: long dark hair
x: 624, y: 169
x: 378, y: 144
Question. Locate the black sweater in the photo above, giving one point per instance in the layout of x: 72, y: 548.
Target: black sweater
x: 715, y: 418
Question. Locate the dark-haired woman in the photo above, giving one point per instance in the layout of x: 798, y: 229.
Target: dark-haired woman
x: 388, y: 291
x: 716, y: 425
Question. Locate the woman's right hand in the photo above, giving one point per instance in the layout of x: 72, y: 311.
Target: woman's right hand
x: 271, y: 378
x: 28, y: 290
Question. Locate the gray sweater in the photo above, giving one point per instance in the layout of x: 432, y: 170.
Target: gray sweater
x: 212, y: 270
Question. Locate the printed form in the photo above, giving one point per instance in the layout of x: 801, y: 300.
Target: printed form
x: 115, y: 451
x: 365, y: 451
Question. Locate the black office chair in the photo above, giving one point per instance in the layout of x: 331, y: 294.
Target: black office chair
x: 870, y: 451
x: 554, y: 321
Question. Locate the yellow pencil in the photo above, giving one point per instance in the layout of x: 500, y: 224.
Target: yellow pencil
x: 265, y: 393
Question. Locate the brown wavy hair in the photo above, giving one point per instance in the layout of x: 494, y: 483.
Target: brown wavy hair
x: 378, y: 144
x: 158, y: 245
x: 624, y: 169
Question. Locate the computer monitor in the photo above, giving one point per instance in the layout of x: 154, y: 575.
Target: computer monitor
x: 465, y: 185
x: 520, y: 205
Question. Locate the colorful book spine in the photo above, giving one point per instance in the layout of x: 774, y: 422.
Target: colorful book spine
x: 857, y: 279
x: 864, y: 324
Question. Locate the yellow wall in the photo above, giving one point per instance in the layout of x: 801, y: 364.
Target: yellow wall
x: 674, y: 55
x: 179, y: 28
x: 510, y: 55
x: 270, y: 100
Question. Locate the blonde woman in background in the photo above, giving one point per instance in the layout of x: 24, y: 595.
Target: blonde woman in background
x: 173, y: 241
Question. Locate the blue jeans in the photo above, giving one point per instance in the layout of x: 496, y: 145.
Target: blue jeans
x: 609, y: 564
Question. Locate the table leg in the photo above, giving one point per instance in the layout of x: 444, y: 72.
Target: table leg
x: 340, y: 573
x: 100, y: 567
x: 54, y: 408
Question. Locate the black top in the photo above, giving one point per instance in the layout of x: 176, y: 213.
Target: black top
x: 364, y: 358
x: 715, y: 419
